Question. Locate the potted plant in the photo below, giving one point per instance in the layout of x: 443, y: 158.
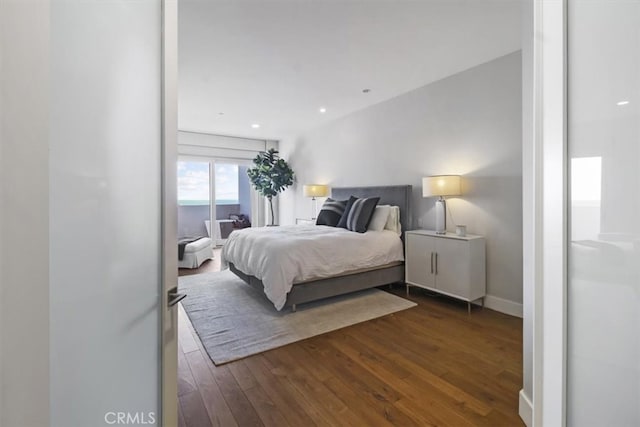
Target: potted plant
x: 270, y: 176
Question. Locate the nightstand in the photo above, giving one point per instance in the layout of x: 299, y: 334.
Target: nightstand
x: 305, y: 221
x: 447, y: 264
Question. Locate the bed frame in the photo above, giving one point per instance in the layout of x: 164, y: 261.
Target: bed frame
x: 397, y: 195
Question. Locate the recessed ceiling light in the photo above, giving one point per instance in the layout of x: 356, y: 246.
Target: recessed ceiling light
x: 622, y: 103
x: 322, y: 110
x: 366, y: 90
x: 255, y: 126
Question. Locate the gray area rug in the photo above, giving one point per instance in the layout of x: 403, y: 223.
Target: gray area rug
x: 234, y: 320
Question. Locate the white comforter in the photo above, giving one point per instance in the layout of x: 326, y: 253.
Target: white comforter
x: 282, y: 256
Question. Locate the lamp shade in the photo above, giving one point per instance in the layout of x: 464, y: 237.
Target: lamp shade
x: 441, y: 185
x: 315, y: 190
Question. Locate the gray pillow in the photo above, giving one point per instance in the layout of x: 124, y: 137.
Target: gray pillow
x: 331, y: 212
x: 358, y: 213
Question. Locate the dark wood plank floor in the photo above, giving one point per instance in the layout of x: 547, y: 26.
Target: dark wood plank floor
x: 432, y: 365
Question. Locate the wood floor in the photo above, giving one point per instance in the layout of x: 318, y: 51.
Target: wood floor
x: 432, y: 365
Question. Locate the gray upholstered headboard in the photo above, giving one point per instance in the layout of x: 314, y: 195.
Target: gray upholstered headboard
x: 397, y: 195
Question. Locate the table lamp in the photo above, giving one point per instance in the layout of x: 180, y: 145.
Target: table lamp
x: 313, y: 191
x: 441, y: 186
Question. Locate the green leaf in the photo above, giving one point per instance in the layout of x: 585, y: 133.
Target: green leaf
x: 271, y: 174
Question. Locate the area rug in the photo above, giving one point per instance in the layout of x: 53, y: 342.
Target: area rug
x: 234, y: 320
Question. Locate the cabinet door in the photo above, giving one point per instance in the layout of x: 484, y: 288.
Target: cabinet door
x: 452, y: 267
x: 418, y: 262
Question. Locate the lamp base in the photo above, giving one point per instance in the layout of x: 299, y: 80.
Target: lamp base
x: 441, y: 216
x: 314, y: 208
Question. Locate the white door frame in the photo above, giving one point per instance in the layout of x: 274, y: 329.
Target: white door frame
x: 549, y: 169
x: 169, y: 320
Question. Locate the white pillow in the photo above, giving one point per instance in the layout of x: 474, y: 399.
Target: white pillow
x: 379, y: 218
x: 393, y: 221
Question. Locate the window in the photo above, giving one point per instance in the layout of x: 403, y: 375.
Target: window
x: 226, y: 184
x: 193, y: 183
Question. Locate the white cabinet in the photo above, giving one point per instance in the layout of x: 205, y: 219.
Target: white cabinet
x: 446, y: 263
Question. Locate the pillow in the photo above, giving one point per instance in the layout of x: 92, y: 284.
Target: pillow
x: 358, y: 213
x: 343, y: 218
x: 379, y: 218
x: 393, y: 222
x: 331, y: 212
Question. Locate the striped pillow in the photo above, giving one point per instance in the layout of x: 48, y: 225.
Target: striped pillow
x: 358, y: 213
x: 331, y: 212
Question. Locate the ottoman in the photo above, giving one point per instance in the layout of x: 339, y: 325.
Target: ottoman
x: 195, y: 253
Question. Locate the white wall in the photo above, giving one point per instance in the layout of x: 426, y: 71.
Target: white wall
x: 468, y: 124
x: 24, y: 227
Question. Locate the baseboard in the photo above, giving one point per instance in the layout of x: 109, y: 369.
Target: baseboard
x: 525, y: 409
x: 503, y: 305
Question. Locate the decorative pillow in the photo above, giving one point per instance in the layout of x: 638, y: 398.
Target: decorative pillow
x: 379, y: 218
x: 343, y: 218
x: 393, y: 222
x: 358, y: 213
x: 331, y: 212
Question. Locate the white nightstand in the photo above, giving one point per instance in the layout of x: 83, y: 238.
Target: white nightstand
x: 305, y: 221
x: 447, y: 264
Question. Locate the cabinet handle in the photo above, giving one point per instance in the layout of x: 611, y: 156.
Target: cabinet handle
x: 436, y: 263
x: 431, y: 262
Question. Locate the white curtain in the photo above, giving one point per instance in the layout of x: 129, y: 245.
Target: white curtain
x: 258, y: 209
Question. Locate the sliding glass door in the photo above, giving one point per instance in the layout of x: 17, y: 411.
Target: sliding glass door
x: 603, y: 287
x: 233, y: 197
x: 194, y: 198
x: 214, y: 197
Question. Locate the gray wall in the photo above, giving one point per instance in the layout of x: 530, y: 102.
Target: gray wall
x: 468, y: 124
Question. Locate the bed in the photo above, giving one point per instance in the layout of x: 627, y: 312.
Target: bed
x: 388, y: 268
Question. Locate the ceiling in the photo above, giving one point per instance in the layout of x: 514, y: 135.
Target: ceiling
x: 277, y: 62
